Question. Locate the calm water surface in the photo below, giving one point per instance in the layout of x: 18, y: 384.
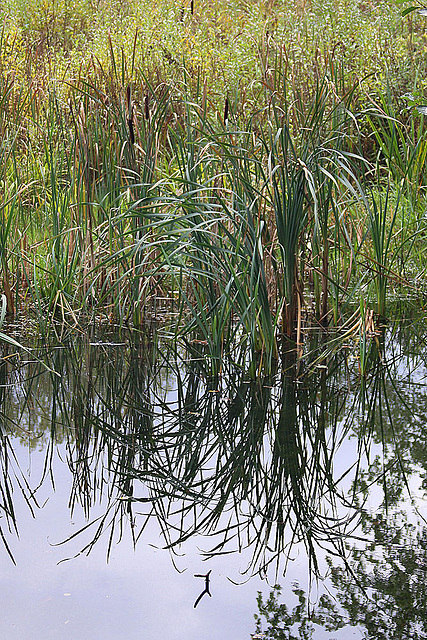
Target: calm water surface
x: 178, y: 474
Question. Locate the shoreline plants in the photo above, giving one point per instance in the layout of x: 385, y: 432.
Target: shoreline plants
x: 252, y: 198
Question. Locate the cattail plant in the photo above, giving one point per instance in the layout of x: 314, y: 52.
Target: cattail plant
x: 226, y: 110
x: 382, y: 218
x: 130, y: 115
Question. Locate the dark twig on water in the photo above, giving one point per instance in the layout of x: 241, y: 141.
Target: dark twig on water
x: 206, y: 576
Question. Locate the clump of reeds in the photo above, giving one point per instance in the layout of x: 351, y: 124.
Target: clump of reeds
x: 251, y: 226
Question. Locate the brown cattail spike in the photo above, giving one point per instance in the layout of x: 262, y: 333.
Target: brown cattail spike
x: 192, y: 7
x: 226, y: 111
x: 131, y: 131
x: 130, y: 115
x: 146, y: 108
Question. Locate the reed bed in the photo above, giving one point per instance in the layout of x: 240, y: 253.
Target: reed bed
x: 250, y: 213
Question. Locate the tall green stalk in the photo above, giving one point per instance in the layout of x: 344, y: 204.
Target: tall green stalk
x: 382, y: 217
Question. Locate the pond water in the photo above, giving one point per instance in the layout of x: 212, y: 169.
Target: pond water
x: 126, y: 471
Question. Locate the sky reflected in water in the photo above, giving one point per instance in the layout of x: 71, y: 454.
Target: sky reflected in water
x: 285, y: 470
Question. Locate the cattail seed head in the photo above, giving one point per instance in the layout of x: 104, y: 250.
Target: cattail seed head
x: 130, y: 114
x: 146, y: 108
x: 131, y: 131
x: 226, y: 111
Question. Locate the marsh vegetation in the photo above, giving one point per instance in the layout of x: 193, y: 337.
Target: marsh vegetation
x: 234, y: 195
x: 139, y: 175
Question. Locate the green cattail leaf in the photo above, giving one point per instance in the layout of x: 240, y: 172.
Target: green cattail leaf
x: 408, y: 10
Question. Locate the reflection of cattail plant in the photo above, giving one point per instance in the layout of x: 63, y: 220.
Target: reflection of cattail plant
x: 271, y: 445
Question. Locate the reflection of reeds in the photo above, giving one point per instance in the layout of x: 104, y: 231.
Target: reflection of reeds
x: 12, y: 480
x: 252, y: 466
x: 243, y: 463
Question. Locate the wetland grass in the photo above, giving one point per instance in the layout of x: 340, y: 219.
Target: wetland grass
x: 249, y: 216
x: 268, y: 229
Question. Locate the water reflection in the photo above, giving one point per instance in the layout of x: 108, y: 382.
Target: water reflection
x: 379, y: 591
x: 386, y: 594
x: 266, y: 465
